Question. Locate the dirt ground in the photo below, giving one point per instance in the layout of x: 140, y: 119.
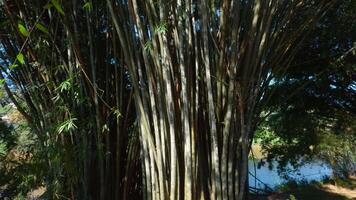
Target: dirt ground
x: 316, y: 192
x: 346, y: 192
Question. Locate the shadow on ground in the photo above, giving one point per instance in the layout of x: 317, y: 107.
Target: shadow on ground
x: 308, y: 192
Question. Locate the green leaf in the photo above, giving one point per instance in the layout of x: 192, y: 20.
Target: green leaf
x: 161, y: 28
x: 13, y: 66
x: 65, y: 85
x: 3, y: 148
x: 292, y: 197
x: 23, y: 30
x: 148, y: 45
x: 88, y: 6
x: 21, y: 58
x: 2, y: 82
x: 58, y: 6
x: 42, y: 28
x: 67, y: 126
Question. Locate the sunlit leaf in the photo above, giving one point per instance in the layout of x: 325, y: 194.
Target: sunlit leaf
x: 58, y: 6
x: 105, y: 128
x: 65, y: 85
x: 13, y: 66
x: 67, y: 126
x: 42, y: 28
x: 117, y: 113
x: 161, y: 28
x: 23, y: 30
x: 21, y: 58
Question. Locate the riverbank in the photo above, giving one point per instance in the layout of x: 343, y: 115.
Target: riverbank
x: 315, y: 188
x: 327, y: 190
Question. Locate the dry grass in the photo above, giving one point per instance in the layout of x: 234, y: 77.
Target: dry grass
x: 36, y: 194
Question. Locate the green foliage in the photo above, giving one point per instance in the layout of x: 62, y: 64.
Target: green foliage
x: 339, y: 151
x: 7, y: 138
x: 5, y: 109
x: 58, y: 6
x: 2, y: 82
x: 312, y: 107
x: 23, y: 30
x: 3, y: 149
x: 65, y: 85
x: 21, y: 58
x: 148, y: 45
x: 161, y: 28
x: 20, y: 197
x: 25, y: 172
x: 88, y: 6
x: 42, y: 28
x: 13, y: 66
x: 292, y: 197
x: 18, y: 171
x: 67, y: 126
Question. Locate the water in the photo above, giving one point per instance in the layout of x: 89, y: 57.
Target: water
x: 314, y: 171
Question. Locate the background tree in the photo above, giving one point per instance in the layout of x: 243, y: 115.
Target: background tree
x: 313, y: 106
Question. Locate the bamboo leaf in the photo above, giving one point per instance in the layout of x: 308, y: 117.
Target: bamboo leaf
x: 58, y: 6
x: 13, y: 66
x: 88, y: 6
x: 161, y: 28
x: 21, y: 58
x: 42, y: 28
x: 67, y: 126
x: 65, y: 85
x: 23, y: 30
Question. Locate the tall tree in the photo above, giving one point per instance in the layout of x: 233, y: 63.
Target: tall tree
x: 313, y: 105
